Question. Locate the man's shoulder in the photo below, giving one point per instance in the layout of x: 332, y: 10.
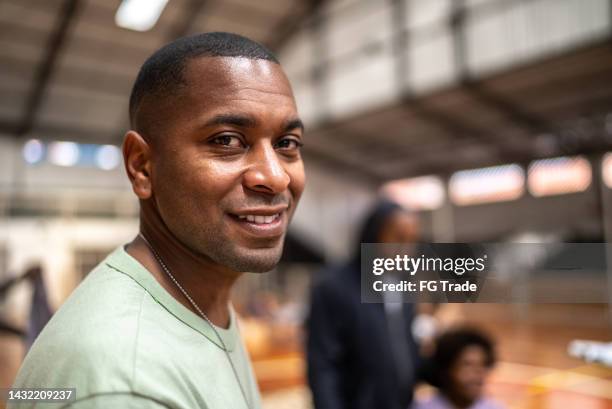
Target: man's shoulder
x: 113, y: 336
x: 90, y: 322
x: 105, y: 305
x: 93, y: 334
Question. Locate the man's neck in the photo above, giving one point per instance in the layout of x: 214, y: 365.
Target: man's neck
x: 207, y: 283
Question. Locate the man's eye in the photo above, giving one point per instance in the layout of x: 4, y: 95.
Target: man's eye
x: 228, y: 140
x: 288, y: 143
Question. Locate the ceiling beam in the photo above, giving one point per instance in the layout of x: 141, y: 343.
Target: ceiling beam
x: 513, y: 111
x: 191, y: 13
x: 401, y: 45
x: 8, y: 127
x: 181, y: 29
x: 336, y: 164
x: 64, y: 132
x: 56, y: 43
x: 291, y: 24
x: 594, y: 148
x: 455, y: 128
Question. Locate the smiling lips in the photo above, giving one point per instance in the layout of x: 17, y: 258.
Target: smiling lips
x: 262, y: 223
x: 258, y: 219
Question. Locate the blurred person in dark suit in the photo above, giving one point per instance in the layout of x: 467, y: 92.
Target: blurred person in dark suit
x: 459, y: 367
x: 363, y: 355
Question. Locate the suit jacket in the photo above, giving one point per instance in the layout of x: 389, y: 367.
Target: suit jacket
x: 351, y: 364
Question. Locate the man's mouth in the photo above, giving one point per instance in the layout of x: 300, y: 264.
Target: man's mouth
x: 259, y: 219
x: 262, y: 222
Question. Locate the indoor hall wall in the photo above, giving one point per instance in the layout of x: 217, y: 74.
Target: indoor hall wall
x: 530, y: 30
x: 44, y: 175
x: 344, y: 61
x: 54, y: 244
x: 574, y: 214
x: 330, y: 211
x: 44, y: 188
x: 8, y: 149
x: 15, y: 173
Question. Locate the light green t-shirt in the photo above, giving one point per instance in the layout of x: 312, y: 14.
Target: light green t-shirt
x: 123, y: 341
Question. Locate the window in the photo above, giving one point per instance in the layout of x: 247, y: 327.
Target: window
x: 606, y: 169
x: 67, y: 154
x: 419, y: 193
x: 486, y: 185
x: 557, y: 176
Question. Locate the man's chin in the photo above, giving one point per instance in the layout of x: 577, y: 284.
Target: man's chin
x: 255, y: 260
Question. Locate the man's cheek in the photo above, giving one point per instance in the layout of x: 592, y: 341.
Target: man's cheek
x: 297, y: 179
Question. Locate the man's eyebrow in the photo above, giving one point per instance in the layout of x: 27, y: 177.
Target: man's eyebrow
x: 292, y: 124
x: 248, y: 121
x: 245, y: 121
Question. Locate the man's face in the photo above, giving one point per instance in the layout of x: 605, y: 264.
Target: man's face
x: 227, y: 172
x: 401, y: 229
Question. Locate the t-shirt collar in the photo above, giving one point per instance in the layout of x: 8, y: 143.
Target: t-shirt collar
x: 123, y: 262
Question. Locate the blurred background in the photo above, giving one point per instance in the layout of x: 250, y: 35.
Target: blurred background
x: 492, y: 119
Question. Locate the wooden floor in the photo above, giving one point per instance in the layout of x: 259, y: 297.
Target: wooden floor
x: 534, y: 369
x: 534, y: 372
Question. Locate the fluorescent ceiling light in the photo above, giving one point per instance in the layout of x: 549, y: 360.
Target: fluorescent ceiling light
x: 556, y: 176
x: 108, y: 157
x: 606, y: 169
x: 419, y: 193
x: 487, y: 185
x: 64, y: 153
x: 139, y: 15
x: 33, y: 151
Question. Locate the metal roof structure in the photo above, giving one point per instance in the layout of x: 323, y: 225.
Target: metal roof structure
x: 66, y: 68
x: 553, y: 107
x: 549, y: 94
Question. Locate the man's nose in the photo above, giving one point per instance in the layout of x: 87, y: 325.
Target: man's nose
x: 265, y: 172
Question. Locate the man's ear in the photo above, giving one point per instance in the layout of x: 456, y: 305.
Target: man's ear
x: 137, y: 161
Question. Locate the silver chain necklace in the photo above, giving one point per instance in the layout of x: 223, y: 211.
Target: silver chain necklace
x: 195, y: 306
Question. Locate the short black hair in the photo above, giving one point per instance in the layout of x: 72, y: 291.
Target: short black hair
x: 162, y: 73
x: 450, y: 345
